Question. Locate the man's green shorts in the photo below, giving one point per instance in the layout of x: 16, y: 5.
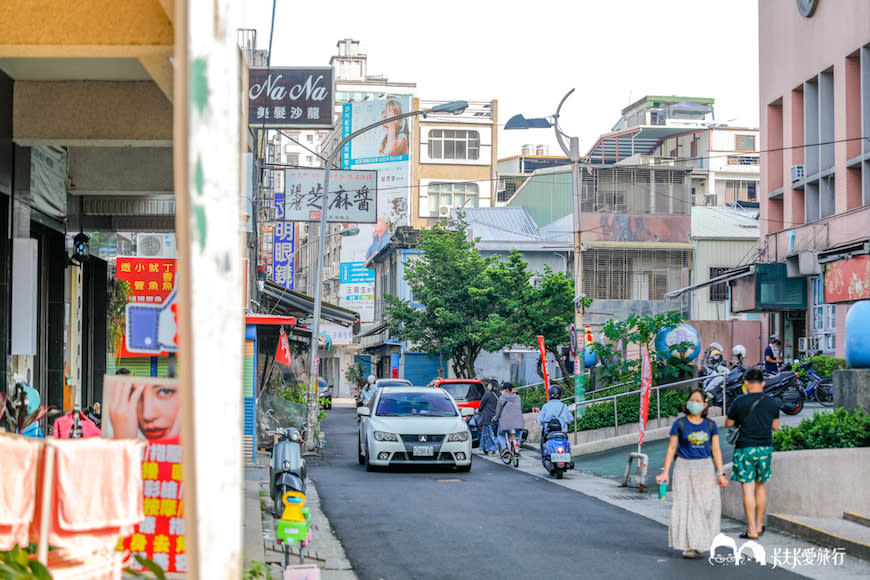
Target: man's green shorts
x: 751, y: 464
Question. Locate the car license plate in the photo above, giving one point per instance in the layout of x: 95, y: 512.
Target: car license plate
x: 555, y: 457
x: 423, y: 450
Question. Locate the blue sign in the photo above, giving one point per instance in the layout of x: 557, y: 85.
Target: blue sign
x: 283, y: 247
x: 355, y: 273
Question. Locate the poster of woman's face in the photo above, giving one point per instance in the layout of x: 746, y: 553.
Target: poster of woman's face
x: 141, y: 407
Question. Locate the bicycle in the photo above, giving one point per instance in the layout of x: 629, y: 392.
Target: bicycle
x: 822, y: 389
x: 512, y: 450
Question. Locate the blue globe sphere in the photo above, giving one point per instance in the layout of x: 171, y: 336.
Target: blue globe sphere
x: 669, y: 337
x: 857, y: 346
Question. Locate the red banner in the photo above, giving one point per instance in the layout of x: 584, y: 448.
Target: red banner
x: 847, y: 280
x: 151, y: 281
x: 645, y: 388
x: 544, y: 366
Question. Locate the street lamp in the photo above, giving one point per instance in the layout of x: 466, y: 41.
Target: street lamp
x: 453, y: 107
x: 572, y: 150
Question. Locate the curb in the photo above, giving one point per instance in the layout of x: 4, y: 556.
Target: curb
x: 819, y: 536
x: 856, y: 518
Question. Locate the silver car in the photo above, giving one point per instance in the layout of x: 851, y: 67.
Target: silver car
x: 413, y: 426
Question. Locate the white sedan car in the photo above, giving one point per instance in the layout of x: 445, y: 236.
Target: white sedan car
x: 413, y: 426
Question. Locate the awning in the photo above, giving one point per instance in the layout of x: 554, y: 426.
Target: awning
x: 845, y: 250
x: 732, y: 274
x: 376, y: 329
x: 630, y: 245
x: 291, y: 303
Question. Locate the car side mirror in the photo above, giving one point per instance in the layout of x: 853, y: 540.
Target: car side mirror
x: 363, y: 411
x: 466, y: 411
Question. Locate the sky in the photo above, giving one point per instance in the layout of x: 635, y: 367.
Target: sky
x: 528, y: 54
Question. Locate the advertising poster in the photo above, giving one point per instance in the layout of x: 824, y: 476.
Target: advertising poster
x: 386, y: 149
x: 148, y: 408
x: 151, y: 282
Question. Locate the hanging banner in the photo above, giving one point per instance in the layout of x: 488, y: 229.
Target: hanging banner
x: 148, y: 408
x: 645, y: 388
x: 543, y: 351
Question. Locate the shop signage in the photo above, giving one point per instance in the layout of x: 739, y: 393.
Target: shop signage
x: 291, y: 98
x: 847, y: 280
x: 352, y: 196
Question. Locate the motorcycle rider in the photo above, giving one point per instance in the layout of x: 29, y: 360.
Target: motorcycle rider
x: 554, y: 409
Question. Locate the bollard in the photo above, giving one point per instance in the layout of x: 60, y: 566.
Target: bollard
x: 639, y: 477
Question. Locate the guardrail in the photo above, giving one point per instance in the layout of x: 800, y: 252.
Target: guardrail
x: 615, y: 399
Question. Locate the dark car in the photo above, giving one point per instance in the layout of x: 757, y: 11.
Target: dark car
x: 324, y: 392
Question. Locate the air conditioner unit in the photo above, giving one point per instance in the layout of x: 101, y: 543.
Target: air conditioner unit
x: 797, y: 172
x: 501, y: 185
x: 802, y: 344
x: 444, y: 211
x: 536, y: 281
x: 155, y: 246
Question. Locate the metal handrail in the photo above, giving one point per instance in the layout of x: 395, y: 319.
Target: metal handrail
x: 657, y: 389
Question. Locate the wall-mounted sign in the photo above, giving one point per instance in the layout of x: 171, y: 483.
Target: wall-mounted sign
x: 291, y: 97
x: 352, y: 196
x: 848, y: 280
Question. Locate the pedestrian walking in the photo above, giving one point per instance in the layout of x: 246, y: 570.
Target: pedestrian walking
x: 757, y: 416
x: 697, y: 507
x: 486, y: 412
x: 772, y: 356
x: 509, y: 414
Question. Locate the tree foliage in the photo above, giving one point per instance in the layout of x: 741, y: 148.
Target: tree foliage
x: 449, y: 281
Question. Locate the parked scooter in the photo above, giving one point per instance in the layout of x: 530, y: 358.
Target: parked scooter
x: 555, y: 450
x: 725, y: 380
x: 788, y: 389
x: 287, y: 468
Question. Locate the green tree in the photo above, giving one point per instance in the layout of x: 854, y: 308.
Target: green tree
x: 450, y: 281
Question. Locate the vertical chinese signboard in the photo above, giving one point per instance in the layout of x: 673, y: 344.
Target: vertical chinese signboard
x: 151, y: 282
x: 357, y: 289
x: 386, y: 149
x: 148, y: 408
x: 283, y: 248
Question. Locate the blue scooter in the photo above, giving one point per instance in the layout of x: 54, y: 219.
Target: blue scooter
x: 555, y: 449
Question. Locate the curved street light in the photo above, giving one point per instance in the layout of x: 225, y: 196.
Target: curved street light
x: 572, y: 151
x: 454, y: 108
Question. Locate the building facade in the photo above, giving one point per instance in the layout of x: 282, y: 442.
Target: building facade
x: 815, y: 171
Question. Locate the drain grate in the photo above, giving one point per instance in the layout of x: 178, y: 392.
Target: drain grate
x: 630, y: 496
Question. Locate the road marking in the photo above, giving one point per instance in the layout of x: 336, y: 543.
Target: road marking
x: 449, y: 480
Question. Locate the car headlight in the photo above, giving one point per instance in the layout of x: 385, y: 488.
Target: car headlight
x: 459, y: 436
x: 384, y: 436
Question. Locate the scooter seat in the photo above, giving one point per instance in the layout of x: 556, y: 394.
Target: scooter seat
x: 556, y: 435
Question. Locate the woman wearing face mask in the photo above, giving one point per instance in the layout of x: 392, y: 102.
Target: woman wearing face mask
x: 697, y: 506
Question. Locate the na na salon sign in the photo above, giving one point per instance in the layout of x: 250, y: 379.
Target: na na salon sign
x: 291, y: 98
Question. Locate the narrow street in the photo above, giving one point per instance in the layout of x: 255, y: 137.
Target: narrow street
x: 494, y: 522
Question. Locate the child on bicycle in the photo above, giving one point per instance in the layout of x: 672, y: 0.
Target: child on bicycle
x: 509, y: 414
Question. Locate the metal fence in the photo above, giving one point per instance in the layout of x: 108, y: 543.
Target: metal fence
x: 615, y: 398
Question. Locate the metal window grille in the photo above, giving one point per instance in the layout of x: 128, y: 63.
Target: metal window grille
x: 613, y: 274
x: 718, y: 292
x: 636, y: 191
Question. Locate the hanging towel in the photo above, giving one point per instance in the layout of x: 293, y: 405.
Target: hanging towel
x: 63, y: 426
x: 99, y: 566
x: 18, y: 484
x: 97, y: 493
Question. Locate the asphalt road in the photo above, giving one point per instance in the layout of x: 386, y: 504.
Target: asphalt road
x: 494, y: 522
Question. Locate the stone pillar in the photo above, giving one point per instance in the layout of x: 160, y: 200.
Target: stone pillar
x: 852, y: 389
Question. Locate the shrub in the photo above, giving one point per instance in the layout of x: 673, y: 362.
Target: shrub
x: 823, y: 365
x: 532, y: 398
x: 838, y: 429
x: 600, y: 415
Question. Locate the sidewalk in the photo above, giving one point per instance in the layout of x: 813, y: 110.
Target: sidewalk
x: 648, y: 505
x: 259, y: 528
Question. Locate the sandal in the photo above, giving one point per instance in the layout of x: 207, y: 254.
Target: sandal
x: 762, y: 531
x: 745, y: 535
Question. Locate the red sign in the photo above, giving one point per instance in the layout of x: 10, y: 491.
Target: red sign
x: 848, y: 280
x: 160, y: 536
x: 544, y: 366
x: 645, y: 388
x: 151, y: 281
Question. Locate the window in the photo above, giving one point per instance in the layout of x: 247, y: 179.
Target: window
x: 293, y: 159
x: 823, y: 317
x: 310, y: 139
x: 610, y: 274
x: 457, y: 144
x: 744, y: 142
x: 719, y: 291
x: 451, y: 195
x: 732, y: 190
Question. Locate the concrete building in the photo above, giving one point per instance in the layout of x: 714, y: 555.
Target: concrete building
x: 814, y: 60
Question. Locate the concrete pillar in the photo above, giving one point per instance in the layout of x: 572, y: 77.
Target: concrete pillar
x: 852, y: 389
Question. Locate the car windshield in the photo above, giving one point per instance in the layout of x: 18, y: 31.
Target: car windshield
x: 464, y: 391
x: 415, y: 405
